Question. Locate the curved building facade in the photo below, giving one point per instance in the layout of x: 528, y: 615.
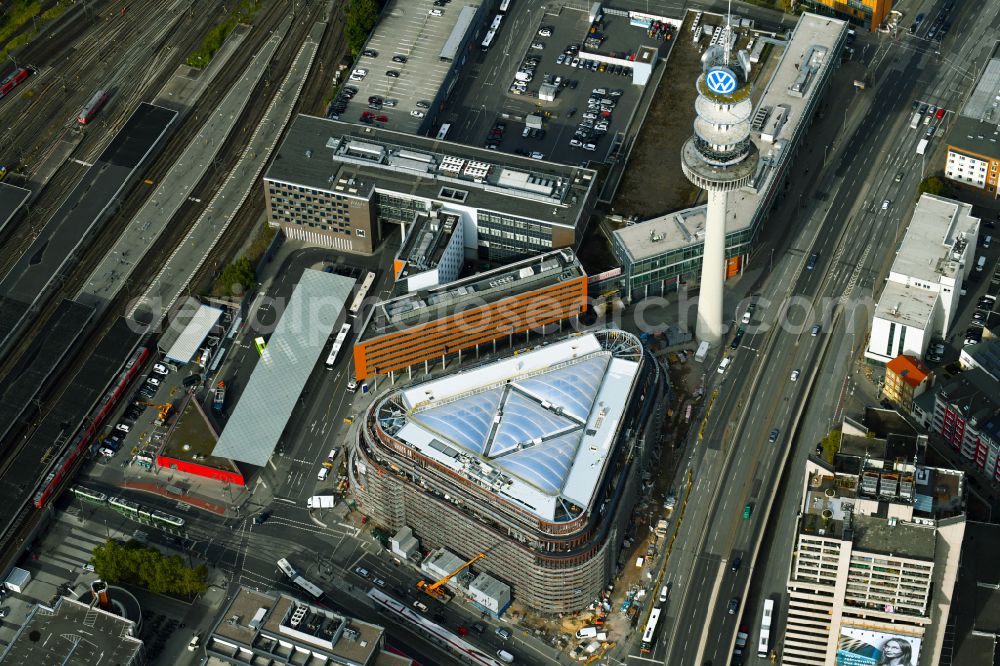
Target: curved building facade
x: 532, y: 460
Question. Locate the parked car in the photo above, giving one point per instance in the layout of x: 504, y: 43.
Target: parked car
x: 399, y: 58
x: 124, y: 427
x: 392, y: 73
x: 417, y: 114
x: 160, y: 369
x: 371, y: 53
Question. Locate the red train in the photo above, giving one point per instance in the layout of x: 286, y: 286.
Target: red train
x: 13, y: 79
x: 93, y: 106
x: 82, y: 440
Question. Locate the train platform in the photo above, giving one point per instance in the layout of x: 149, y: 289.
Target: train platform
x: 12, y: 198
x: 82, y: 213
x: 163, y: 489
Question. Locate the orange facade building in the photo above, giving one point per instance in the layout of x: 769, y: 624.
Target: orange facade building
x: 868, y: 13
x: 429, y: 326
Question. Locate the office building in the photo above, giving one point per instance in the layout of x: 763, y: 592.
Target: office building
x: 906, y: 378
x: 920, y: 297
x: 275, y: 628
x: 532, y: 460
x: 431, y: 326
x: 868, y: 14
x: 663, y: 253
x: 339, y: 185
x: 973, y: 156
x: 432, y: 253
x: 876, y: 556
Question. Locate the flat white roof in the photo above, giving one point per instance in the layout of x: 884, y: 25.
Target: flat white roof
x: 194, y: 333
x: 906, y: 306
x: 536, y: 429
x: 782, y: 101
x: 260, y: 416
x: 928, y: 251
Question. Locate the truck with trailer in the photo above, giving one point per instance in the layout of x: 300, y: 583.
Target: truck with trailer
x: 321, y: 502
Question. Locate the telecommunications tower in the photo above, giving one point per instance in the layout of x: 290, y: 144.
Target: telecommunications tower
x: 720, y: 158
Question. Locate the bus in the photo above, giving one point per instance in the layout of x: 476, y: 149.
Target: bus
x: 764, y: 642
x: 649, y: 635
x: 287, y: 569
x: 308, y: 587
x: 338, y: 344
x: 93, y: 106
x: 359, y: 298
x: 488, y: 40
x: 443, y: 132
x: 505, y: 5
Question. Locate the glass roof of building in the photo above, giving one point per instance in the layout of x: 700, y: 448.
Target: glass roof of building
x: 530, y: 426
x: 573, y: 387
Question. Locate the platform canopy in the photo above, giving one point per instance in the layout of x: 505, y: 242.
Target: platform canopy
x: 194, y: 333
x: 314, y: 309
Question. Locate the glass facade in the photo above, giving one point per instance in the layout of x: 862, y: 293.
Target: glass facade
x: 399, y: 210
x: 504, y: 238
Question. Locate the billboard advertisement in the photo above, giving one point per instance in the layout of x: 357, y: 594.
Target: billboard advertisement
x: 859, y: 647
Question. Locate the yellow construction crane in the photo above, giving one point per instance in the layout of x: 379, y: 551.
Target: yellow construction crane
x: 434, y: 589
x: 163, y: 410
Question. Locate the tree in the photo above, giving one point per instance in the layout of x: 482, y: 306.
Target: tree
x: 136, y: 564
x: 237, y: 277
x: 831, y: 444
x: 933, y: 185
x: 360, y: 16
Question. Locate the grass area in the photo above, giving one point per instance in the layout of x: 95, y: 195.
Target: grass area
x: 217, y: 36
x: 20, y: 12
x: 14, y: 29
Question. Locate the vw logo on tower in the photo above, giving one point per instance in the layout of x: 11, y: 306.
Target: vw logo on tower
x: 720, y: 80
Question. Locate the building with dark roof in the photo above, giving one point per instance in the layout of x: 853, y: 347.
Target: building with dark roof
x: 531, y: 460
x: 338, y: 185
x: 275, y: 628
x: 975, y: 612
x: 436, y: 324
x: 101, y: 627
x: 973, y: 155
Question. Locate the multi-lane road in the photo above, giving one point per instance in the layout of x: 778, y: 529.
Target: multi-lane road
x: 735, y: 465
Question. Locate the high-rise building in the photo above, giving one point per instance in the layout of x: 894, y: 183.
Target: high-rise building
x: 663, y: 253
x: 720, y: 158
x: 532, y: 460
x: 876, y: 556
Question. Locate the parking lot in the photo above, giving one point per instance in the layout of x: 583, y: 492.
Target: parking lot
x: 534, y: 47
x: 400, y: 65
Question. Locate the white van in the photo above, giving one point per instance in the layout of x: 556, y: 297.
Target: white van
x: 987, y: 241
x: 323, y: 473
x: 725, y: 364
x: 981, y: 264
x: 586, y: 632
x: 664, y: 591
x: 505, y: 656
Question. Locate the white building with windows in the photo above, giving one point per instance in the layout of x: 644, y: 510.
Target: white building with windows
x: 920, y: 298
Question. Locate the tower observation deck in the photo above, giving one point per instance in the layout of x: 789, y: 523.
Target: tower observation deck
x: 720, y: 158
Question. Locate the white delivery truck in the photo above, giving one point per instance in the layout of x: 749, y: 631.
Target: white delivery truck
x: 702, y: 352
x: 321, y: 502
x: 586, y: 632
x: 922, y: 147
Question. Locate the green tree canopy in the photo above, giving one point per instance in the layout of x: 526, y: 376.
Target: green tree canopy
x: 360, y: 16
x: 933, y: 185
x: 136, y: 564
